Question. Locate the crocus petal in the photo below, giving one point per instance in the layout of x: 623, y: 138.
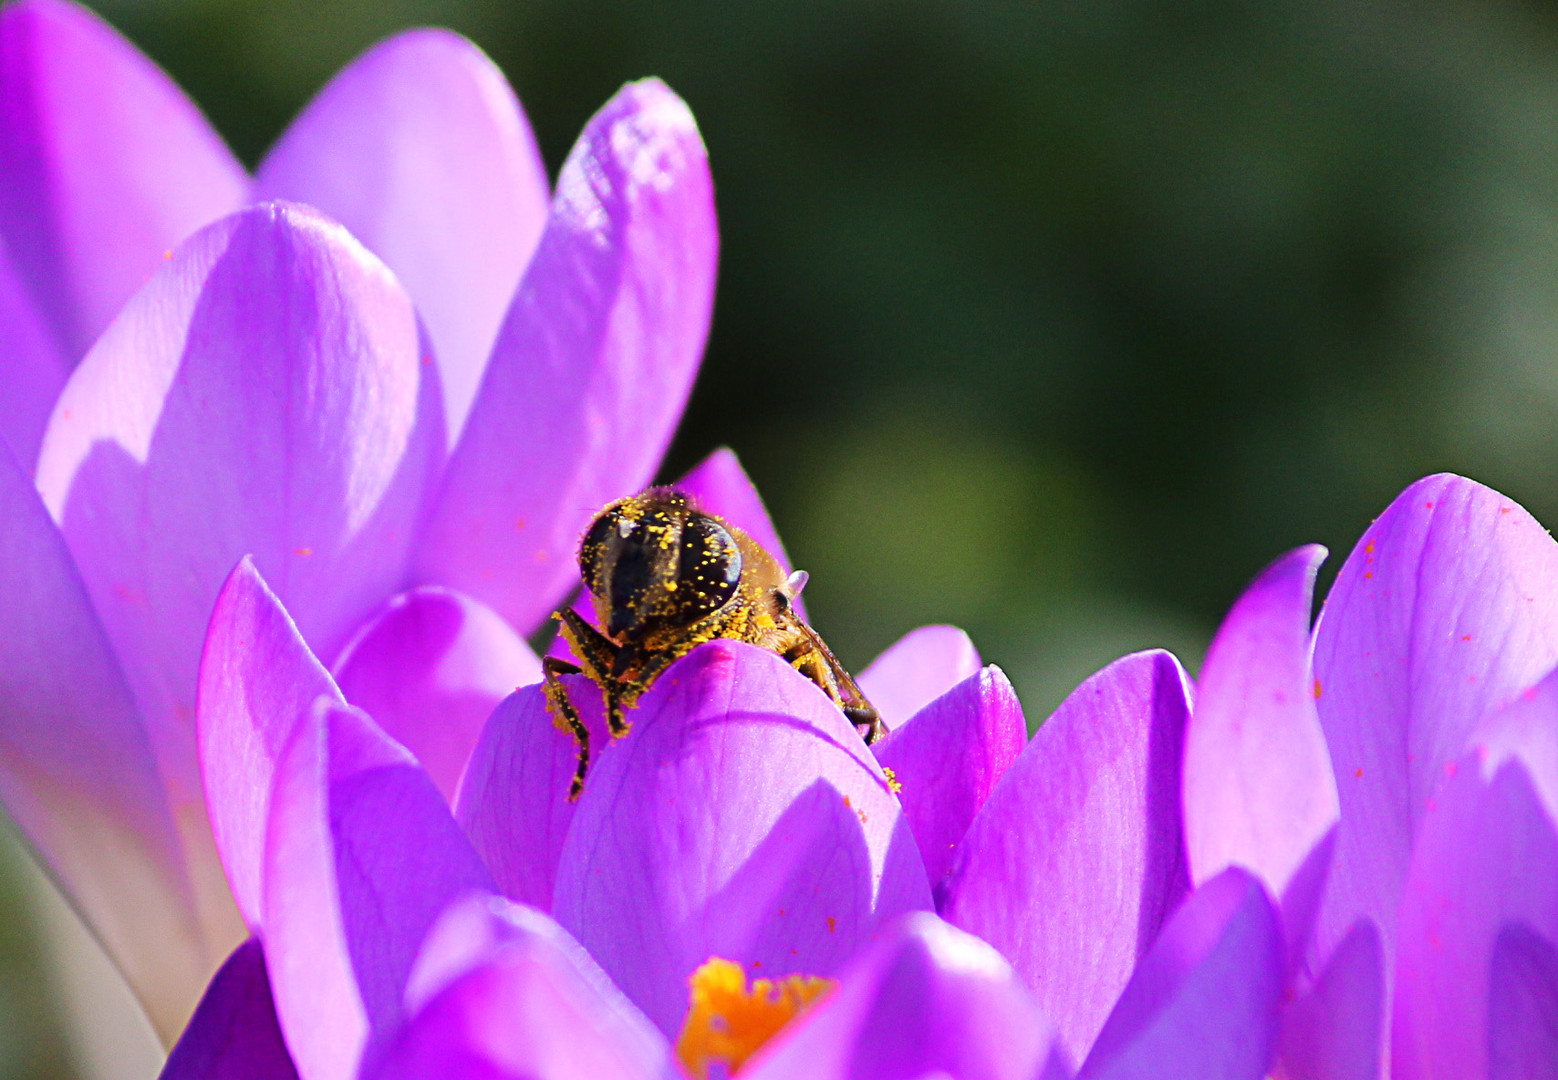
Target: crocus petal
x: 1259, y: 791
x: 257, y: 677
x: 76, y: 770
x: 264, y: 394
x: 420, y: 148
x: 1336, y: 1030
x: 500, y: 990
x: 34, y: 368
x: 233, y: 1034
x: 360, y: 858
x: 593, y: 363
x: 1528, y: 730
x: 949, y: 758
x: 1484, y: 878
x: 923, y: 997
x: 1445, y: 611
x: 430, y: 667
x: 513, y: 802
x: 917, y: 669
x: 721, y: 486
x: 742, y: 818
x: 1077, y: 856
x: 107, y: 165
x: 1204, y: 1001
x: 1523, y: 1007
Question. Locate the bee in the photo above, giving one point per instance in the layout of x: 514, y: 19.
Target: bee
x: 666, y: 577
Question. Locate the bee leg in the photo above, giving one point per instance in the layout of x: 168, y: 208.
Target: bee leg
x: 601, y: 658
x: 566, y: 716
x: 650, y: 666
x: 865, y: 716
x: 596, y: 651
x: 811, y: 662
x: 804, y: 657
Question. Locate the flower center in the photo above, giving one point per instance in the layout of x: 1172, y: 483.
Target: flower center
x: 727, y: 1023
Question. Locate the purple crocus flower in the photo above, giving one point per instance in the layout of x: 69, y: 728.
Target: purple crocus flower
x: 405, y: 424
x: 742, y: 819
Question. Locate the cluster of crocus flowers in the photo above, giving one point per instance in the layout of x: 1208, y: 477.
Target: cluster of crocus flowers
x: 274, y: 541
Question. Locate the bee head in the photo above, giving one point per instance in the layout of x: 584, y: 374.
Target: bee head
x: 653, y: 560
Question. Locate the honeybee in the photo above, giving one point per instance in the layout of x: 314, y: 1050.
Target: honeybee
x: 666, y: 577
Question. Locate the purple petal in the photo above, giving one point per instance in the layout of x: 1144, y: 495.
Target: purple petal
x: 233, y: 1034
x: 77, y: 773
x: 1523, y: 1007
x: 1528, y: 730
x: 513, y: 802
x: 257, y: 677
x: 1335, y: 1031
x: 948, y: 759
x: 741, y: 818
x: 360, y: 858
x: 420, y: 148
x: 593, y: 363
x: 263, y: 395
x: 1259, y: 792
x: 721, y: 486
x: 107, y: 165
x: 1485, y: 867
x: 1204, y: 1000
x: 923, y: 997
x: 1077, y: 856
x: 430, y: 668
x: 1445, y: 611
x: 34, y: 369
x: 917, y: 669
x: 500, y: 990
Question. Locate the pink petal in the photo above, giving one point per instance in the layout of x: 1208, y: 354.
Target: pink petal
x: 917, y: 669
x: 107, y: 165
x: 721, y: 486
x: 1444, y: 612
x: 1077, y: 857
x: 741, y: 818
x: 430, y: 667
x: 361, y: 857
x: 500, y: 990
x: 923, y: 997
x: 1259, y: 792
x: 420, y: 148
x: 1204, y: 1000
x: 593, y: 363
x: 233, y: 1034
x: 34, y: 369
x: 513, y: 802
x: 257, y: 677
x: 263, y: 395
x: 948, y: 759
x: 1485, y: 867
x: 77, y: 773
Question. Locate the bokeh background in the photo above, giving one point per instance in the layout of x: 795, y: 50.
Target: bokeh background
x: 1054, y: 320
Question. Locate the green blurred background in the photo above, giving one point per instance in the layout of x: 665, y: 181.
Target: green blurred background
x: 1053, y: 320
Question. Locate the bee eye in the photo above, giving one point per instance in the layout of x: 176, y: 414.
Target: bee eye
x: 709, y: 568
x: 593, y: 549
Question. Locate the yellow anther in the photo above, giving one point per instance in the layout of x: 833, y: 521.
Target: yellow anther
x: 726, y: 1023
